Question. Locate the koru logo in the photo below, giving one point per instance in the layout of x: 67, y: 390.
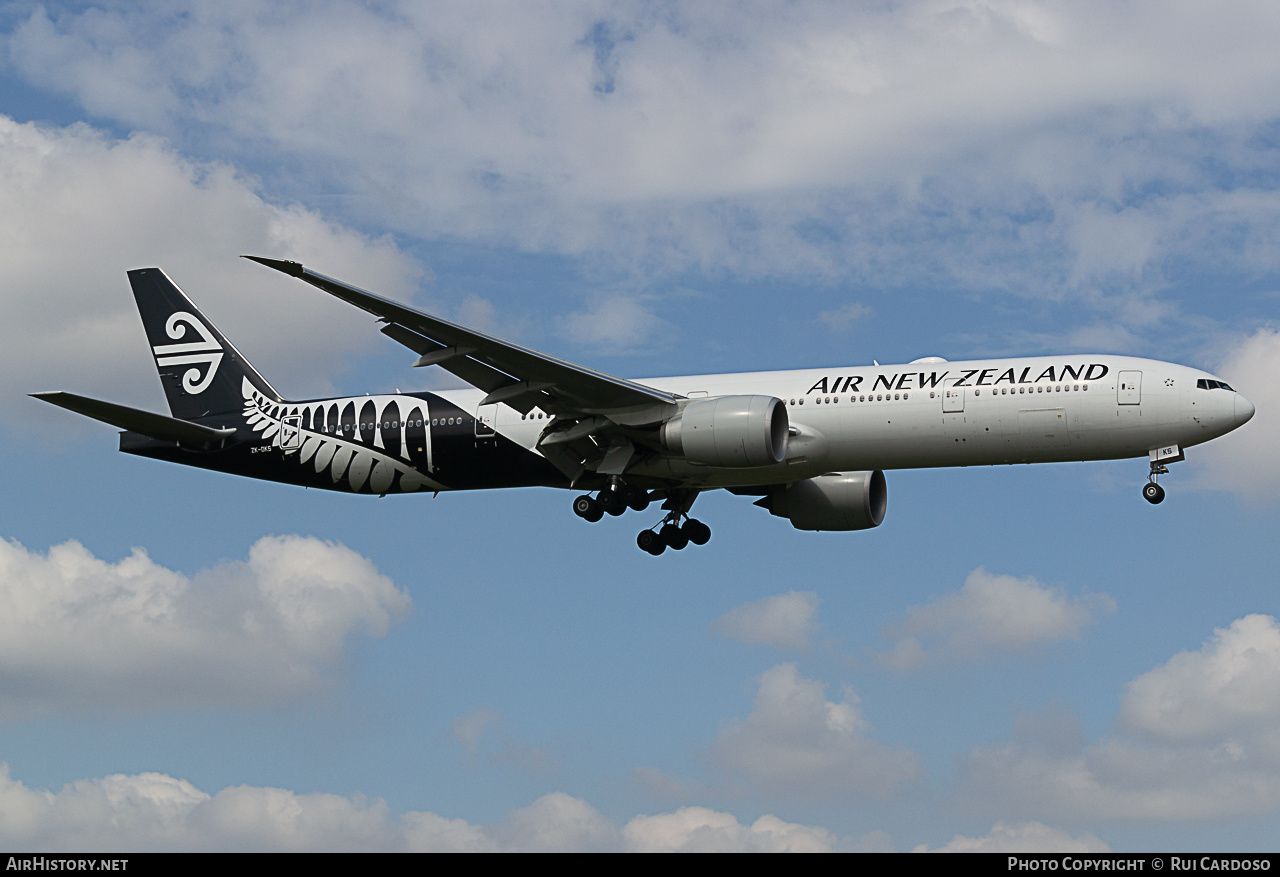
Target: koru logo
x: 206, y: 351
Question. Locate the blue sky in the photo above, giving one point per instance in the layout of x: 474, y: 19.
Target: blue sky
x: 1019, y: 657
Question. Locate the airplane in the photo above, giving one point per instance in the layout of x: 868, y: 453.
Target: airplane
x: 812, y: 444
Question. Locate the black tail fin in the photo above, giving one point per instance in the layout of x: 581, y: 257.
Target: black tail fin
x: 201, y: 371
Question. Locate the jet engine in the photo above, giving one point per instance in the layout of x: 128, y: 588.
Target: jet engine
x: 730, y: 431
x: 837, y: 501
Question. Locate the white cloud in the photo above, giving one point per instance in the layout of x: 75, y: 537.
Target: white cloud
x: 619, y: 324
x: 1027, y: 837
x: 1243, y: 461
x: 153, y: 811
x: 82, y: 208
x: 796, y: 742
x: 614, y: 100
x: 899, y: 142
x: 557, y: 822
x: 700, y: 830
x: 85, y: 634
x: 990, y: 613
x: 840, y: 318
x: 1196, y: 740
x: 783, y: 621
x: 1230, y: 684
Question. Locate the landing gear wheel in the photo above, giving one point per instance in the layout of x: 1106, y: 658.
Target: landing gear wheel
x: 587, y: 508
x: 673, y: 536
x: 1153, y: 493
x: 636, y: 499
x: 611, y: 502
x: 651, y: 542
x: 698, y: 532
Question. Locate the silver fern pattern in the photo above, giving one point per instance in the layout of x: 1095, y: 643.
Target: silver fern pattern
x: 352, y: 464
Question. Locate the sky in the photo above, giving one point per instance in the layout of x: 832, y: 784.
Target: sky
x: 1026, y: 657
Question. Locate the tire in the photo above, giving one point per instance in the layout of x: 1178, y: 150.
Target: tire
x: 611, y: 502
x: 651, y: 542
x: 636, y: 499
x: 673, y: 536
x: 587, y: 508
x: 1153, y: 493
x: 698, y: 532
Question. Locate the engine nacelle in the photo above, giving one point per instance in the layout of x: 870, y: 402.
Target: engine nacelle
x: 839, y: 501
x: 730, y: 431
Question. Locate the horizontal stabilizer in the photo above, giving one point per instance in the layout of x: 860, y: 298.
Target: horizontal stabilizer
x: 157, y: 426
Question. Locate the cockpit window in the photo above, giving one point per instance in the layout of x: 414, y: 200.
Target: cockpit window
x: 1206, y: 384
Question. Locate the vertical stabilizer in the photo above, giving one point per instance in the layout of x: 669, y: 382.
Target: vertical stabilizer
x: 202, y: 373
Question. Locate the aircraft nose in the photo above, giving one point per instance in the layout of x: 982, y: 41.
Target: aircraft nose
x: 1244, y: 410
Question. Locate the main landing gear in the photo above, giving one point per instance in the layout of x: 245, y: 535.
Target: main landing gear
x: 1151, y: 491
x: 618, y: 496
x: 613, y: 500
x: 670, y: 535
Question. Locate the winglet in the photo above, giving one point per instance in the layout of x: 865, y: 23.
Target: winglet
x: 293, y: 269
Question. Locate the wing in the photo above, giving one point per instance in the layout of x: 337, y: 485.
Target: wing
x: 520, y: 377
x: 597, y: 414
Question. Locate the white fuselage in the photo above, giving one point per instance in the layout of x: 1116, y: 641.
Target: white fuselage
x: 932, y: 413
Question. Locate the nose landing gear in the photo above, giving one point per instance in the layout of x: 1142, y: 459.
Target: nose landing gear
x: 1152, y: 492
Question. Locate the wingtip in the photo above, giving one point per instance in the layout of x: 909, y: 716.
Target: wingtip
x: 293, y: 269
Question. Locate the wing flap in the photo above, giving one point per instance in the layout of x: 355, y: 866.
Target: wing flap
x: 157, y: 426
x: 477, y: 374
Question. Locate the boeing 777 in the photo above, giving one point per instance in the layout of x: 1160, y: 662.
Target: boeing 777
x: 812, y: 444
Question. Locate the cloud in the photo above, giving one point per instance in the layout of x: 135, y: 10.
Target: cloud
x: 990, y: 613
x: 85, y: 634
x: 796, y: 742
x: 840, y: 318
x: 1242, y: 461
x: 619, y: 324
x: 1196, y: 739
x: 1027, y: 837
x: 468, y: 727
x: 1232, y: 683
x: 81, y: 208
x: 155, y: 812
x: 896, y: 143
x: 783, y: 621
x: 700, y: 830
